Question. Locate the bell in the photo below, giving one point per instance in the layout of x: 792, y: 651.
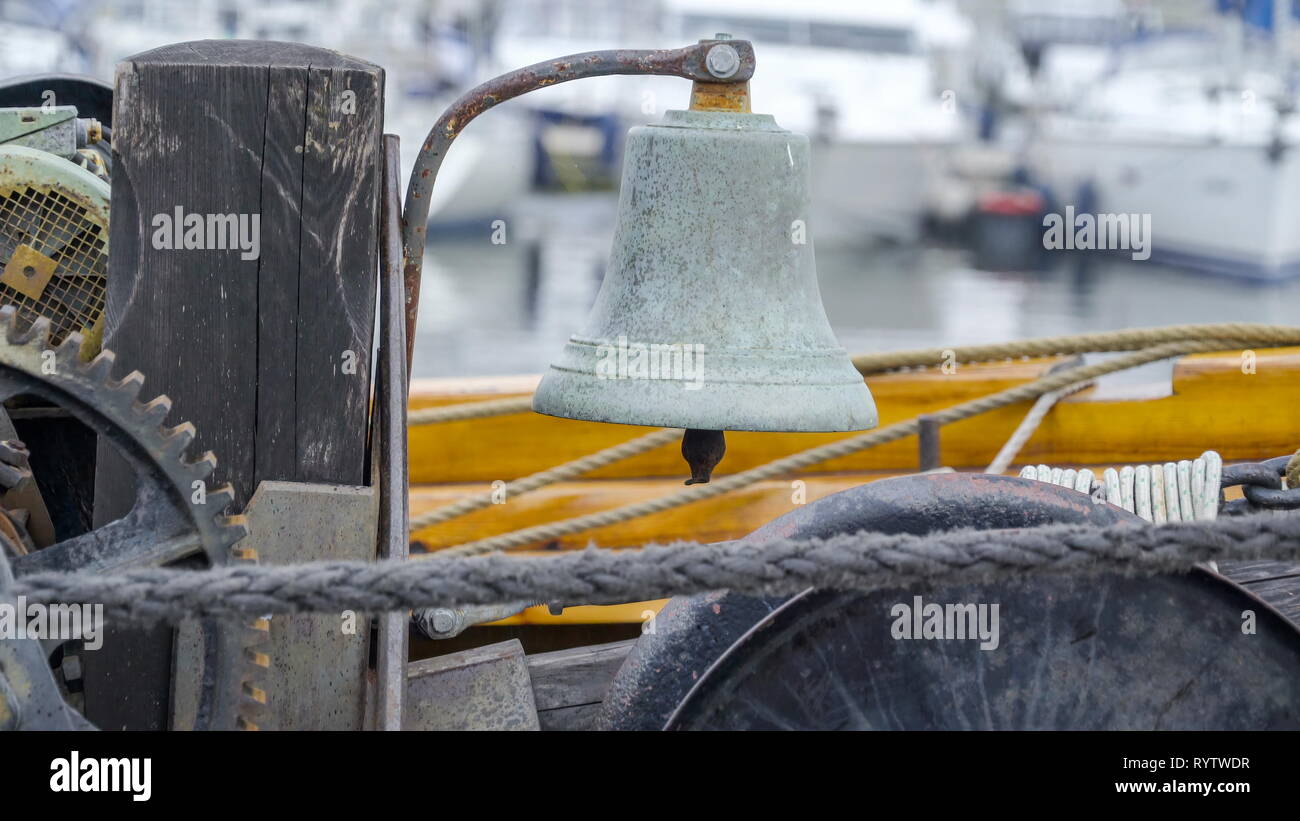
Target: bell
x: 709, y: 317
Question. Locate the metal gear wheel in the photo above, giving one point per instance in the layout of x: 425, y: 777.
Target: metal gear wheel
x: 175, y: 515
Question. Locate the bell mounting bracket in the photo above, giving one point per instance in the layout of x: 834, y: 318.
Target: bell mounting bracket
x: 690, y: 63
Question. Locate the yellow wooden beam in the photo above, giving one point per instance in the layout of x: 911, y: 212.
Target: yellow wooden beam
x: 1214, y: 404
x: 507, y: 447
x: 1243, y: 409
x: 724, y: 517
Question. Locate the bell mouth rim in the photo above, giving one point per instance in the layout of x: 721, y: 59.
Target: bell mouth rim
x: 758, y: 407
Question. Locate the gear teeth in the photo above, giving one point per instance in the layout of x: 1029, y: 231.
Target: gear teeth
x: 251, y: 711
x: 36, y: 335
x: 112, y: 404
x: 202, y: 467
x: 254, y: 693
x: 219, y: 498
x: 69, y: 349
x: 253, y: 702
x: 177, y: 440
x: 154, y: 412
x: 236, y: 526
x: 100, y: 369
x: 129, y: 387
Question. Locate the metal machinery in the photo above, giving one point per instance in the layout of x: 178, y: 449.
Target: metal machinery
x: 55, y: 170
x: 54, y: 197
x: 712, y: 249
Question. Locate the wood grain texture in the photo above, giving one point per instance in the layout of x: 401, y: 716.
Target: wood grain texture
x: 1283, y: 593
x: 569, y: 685
x: 243, y: 347
x: 250, y: 351
x: 341, y: 161
x: 581, y: 675
x: 724, y: 517
x: 276, y: 444
x: 1260, y: 570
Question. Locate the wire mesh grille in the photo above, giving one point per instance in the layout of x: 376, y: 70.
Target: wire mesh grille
x: 55, y: 225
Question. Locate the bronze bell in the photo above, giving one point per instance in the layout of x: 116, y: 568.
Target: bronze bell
x: 709, y: 317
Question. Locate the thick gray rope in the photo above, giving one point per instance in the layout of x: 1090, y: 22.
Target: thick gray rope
x: 863, y: 561
x: 1251, y: 335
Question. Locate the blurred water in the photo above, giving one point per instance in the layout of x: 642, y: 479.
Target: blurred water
x: 489, y: 309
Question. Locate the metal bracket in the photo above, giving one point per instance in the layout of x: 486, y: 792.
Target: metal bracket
x: 289, y: 523
x: 52, y: 129
x: 388, y: 448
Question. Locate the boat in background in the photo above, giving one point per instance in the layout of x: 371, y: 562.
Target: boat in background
x: 24, y: 24
x: 872, y: 84
x: 1200, y: 133
x: 429, y: 57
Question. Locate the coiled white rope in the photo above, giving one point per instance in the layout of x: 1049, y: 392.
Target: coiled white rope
x: 1185, y: 491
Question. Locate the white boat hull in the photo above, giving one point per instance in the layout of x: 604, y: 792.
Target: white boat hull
x: 866, y: 192
x: 1226, y: 208
x: 488, y: 168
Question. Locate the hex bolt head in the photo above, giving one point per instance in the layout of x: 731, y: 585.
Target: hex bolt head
x: 444, y: 621
x: 722, y: 61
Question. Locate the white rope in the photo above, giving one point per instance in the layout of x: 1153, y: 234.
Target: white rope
x: 1186, y: 491
x: 1026, y: 429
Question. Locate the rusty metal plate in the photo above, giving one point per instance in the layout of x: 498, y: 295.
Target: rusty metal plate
x: 28, y: 271
x: 483, y: 688
x: 317, y: 677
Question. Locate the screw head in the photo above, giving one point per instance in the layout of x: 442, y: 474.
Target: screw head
x: 722, y: 61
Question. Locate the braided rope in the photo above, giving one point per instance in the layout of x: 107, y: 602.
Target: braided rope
x: 577, y: 467
x: 862, y: 561
x: 1246, y: 333
x: 834, y: 450
x: 470, y: 410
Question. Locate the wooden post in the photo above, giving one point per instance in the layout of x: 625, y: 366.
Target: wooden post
x: 261, y: 161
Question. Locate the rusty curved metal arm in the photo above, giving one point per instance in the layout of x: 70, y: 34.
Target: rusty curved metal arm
x: 688, y: 63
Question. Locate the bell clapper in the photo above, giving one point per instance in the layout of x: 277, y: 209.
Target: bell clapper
x: 702, y: 450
